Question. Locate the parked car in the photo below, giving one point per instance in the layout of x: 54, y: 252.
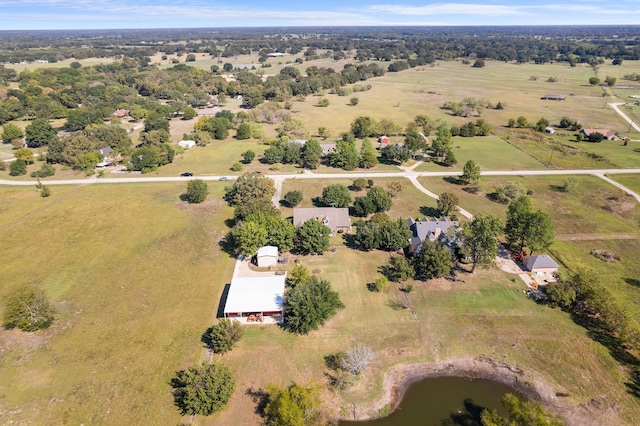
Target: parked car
x: 186, y: 174
x: 224, y: 178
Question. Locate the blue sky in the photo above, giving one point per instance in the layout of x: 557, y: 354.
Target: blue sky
x: 83, y: 14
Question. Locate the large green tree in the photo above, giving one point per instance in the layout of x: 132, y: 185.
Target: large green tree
x: 368, y: 155
x: 393, y: 235
x: 345, y: 155
x: 250, y: 186
x: 380, y: 199
x: 442, y: 144
x: 39, y: 133
x: 309, y: 305
x: 197, y: 191
x: 364, y: 126
x: 11, y: 132
x: 470, y: 173
x: 398, y: 269
x: 447, y: 203
x: 248, y: 237
x: 312, y: 237
x: 433, y: 260
x: 203, y: 389
x: 223, y: 336
x: 311, y: 154
x: 528, y: 228
x: 336, y: 195
x: 293, y: 406
x: 28, y: 309
x: 480, y: 239
x: 520, y: 413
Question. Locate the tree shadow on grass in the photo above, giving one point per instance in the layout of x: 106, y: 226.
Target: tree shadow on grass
x: 259, y: 397
x: 633, y: 384
x: 453, y: 180
x: 616, y: 348
x: 429, y: 211
x: 633, y: 281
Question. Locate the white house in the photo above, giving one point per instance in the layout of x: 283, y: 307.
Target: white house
x: 188, y: 144
x: 267, y: 256
x: 256, y: 300
x: 542, y: 266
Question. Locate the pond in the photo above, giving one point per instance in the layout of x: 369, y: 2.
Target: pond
x: 444, y: 401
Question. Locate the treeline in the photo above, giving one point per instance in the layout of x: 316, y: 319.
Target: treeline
x: 406, y: 46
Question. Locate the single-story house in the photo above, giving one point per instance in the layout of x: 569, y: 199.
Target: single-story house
x: 549, y: 130
x: 275, y: 54
x: 300, y: 142
x: 328, y: 148
x: 187, y: 144
x: 432, y: 230
x: 553, y: 97
x: 256, y: 299
x: 106, y: 159
x: 608, y: 134
x: 541, y: 265
x: 267, y: 256
x: 335, y: 218
x: 121, y: 113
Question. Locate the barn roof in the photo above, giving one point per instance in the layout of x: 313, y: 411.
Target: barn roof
x: 256, y: 294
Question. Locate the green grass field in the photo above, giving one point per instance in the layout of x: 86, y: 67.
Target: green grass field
x: 136, y: 277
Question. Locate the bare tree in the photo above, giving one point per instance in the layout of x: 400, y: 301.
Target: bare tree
x: 357, y: 358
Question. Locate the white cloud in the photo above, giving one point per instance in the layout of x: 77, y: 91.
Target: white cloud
x: 449, y: 9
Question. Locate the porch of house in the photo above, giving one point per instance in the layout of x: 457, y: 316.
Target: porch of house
x: 256, y: 318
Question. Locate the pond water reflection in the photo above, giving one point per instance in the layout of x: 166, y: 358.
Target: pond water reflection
x: 444, y: 401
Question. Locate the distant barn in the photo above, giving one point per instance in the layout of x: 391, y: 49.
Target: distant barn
x: 552, y: 97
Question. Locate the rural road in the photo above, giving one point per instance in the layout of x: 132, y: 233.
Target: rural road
x: 410, y: 174
x: 623, y: 115
x: 407, y: 173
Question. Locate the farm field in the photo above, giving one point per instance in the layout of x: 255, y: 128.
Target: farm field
x: 144, y: 268
x: 136, y: 275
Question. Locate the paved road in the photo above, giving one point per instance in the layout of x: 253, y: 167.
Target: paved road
x: 411, y: 175
x: 623, y: 115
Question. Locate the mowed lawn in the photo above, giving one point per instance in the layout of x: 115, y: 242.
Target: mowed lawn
x: 135, y: 276
x: 594, y: 207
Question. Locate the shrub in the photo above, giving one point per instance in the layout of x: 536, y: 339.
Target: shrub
x: 18, y: 168
x: 204, y: 389
x: 28, y: 309
x: 197, y: 191
x: 222, y: 337
x: 236, y: 167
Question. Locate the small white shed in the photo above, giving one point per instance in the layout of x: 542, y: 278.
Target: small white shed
x: 267, y: 256
x: 188, y: 144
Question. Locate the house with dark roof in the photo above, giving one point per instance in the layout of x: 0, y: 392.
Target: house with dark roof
x: 107, y: 160
x: 335, y: 218
x: 435, y: 229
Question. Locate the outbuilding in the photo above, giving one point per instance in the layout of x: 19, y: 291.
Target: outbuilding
x: 187, y: 144
x: 542, y: 266
x: 267, y: 256
x: 256, y: 300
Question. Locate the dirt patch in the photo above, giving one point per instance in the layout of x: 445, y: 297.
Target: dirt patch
x: 398, y: 378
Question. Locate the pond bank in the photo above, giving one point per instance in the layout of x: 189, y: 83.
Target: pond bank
x: 400, y: 377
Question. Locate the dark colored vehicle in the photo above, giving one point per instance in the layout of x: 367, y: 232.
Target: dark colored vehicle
x: 186, y: 174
